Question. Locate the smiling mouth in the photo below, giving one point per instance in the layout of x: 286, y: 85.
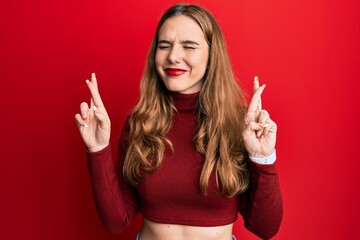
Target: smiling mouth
x: 173, y: 72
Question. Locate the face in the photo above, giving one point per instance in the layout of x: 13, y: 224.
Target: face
x: 182, y: 55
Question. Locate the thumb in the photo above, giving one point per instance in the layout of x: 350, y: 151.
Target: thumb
x: 253, y: 126
x: 101, y: 114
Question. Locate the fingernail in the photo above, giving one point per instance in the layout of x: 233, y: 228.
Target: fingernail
x: 246, y: 120
x: 266, y: 125
x: 93, y: 75
x: 87, y: 81
x: 85, y: 125
x: 256, y: 78
x: 94, y: 108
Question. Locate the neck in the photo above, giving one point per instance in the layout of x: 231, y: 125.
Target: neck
x: 183, y: 101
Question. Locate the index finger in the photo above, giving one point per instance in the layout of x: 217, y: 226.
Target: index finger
x: 256, y: 85
x: 256, y: 99
x: 95, y: 95
x: 94, y: 80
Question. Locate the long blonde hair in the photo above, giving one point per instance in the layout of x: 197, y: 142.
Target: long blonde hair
x: 220, y: 118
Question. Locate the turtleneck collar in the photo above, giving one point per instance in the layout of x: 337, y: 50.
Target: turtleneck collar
x: 185, y: 101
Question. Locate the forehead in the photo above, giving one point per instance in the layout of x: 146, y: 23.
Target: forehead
x: 181, y: 28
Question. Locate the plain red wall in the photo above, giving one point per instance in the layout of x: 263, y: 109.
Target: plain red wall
x: 308, y: 53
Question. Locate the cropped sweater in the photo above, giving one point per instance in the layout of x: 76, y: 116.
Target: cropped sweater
x: 171, y: 195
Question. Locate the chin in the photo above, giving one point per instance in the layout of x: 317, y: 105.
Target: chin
x: 175, y: 87
x: 181, y: 86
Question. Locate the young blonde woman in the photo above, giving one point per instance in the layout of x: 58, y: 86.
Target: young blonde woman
x: 192, y: 154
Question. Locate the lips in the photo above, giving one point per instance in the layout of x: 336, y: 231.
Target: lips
x: 175, y: 71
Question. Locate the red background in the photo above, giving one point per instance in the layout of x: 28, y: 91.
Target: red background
x: 308, y: 53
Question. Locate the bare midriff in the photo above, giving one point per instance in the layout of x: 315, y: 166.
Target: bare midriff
x: 159, y: 231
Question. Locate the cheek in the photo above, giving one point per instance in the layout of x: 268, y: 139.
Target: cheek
x: 205, y: 58
x: 158, y: 62
x: 156, y: 59
x: 199, y: 62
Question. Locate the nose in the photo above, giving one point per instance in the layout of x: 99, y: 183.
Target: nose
x: 175, y: 55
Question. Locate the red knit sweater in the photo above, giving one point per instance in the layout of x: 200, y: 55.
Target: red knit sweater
x: 172, y: 195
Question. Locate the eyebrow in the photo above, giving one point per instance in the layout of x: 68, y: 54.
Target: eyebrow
x: 183, y: 42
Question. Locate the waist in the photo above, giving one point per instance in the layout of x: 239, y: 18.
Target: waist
x: 159, y: 231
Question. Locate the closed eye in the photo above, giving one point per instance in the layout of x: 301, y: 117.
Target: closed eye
x: 164, y: 44
x: 164, y: 47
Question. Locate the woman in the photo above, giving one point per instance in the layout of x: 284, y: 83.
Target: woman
x: 191, y: 154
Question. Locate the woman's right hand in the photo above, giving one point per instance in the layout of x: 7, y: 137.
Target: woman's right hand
x: 94, y: 122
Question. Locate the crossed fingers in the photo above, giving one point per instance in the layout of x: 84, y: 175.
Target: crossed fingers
x: 96, y: 104
x: 258, y: 118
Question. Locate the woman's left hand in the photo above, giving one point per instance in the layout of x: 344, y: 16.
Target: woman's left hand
x: 259, y: 133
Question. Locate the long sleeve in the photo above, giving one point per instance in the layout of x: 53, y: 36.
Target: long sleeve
x: 115, y: 200
x: 261, y: 205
